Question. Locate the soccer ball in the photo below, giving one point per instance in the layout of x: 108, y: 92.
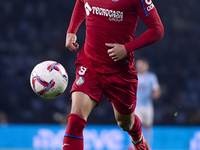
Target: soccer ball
x: 49, y: 79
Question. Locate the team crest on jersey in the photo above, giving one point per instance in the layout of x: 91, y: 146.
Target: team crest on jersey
x: 80, y: 81
x: 113, y: 15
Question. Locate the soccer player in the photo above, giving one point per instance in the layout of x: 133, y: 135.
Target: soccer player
x: 148, y: 90
x: 105, y: 65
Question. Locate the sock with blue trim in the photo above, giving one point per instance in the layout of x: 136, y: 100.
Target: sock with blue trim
x: 73, y: 139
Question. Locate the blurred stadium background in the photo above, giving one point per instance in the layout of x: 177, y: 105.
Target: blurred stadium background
x: 32, y: 31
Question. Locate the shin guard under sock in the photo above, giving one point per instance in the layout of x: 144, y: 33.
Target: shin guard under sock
x: 136, y: 130
x: 73, y: 139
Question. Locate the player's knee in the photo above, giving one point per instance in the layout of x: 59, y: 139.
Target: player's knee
x: 125, y: 126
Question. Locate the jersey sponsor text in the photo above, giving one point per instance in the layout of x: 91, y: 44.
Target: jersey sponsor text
x: 112, y: 14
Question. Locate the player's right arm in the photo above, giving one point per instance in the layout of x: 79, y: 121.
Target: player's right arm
x: 77, y: 18
x: 71, y: 43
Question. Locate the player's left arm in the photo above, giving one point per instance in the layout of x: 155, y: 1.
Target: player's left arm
x: 116, y: 51
x: 149, y: 15
x: 151, y: 19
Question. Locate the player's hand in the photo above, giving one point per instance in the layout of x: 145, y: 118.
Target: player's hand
x: 117, y: 51
x: 71, y: 43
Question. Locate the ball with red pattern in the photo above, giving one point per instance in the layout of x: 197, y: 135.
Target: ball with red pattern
x: 49, y: 79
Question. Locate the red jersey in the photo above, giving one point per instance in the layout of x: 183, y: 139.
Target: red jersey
x: 114, y: 21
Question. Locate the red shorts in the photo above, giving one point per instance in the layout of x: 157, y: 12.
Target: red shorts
x: 119, y: 88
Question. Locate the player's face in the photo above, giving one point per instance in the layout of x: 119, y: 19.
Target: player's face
x: 142, y: 66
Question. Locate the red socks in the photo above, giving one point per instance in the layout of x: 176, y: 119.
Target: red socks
x: 136, y: 131
x: 73, y: 139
